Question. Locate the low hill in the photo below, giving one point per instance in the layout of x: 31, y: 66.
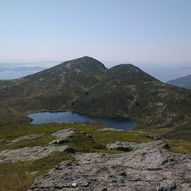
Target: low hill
x: 54, y: 88
x: 184, y: 82
x: 128, y: 92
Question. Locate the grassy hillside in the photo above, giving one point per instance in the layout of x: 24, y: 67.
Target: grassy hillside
x: 86, y: 86
x: 128, y: 92
x: 52, y: 89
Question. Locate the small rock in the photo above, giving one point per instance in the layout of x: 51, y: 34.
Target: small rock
x: 167, y: 186
x: 74, y: 184
x: 34, y: 173
x: 65, y: 134
x: 122, y: 146
x: 58, y: 142
x: 69, y: 149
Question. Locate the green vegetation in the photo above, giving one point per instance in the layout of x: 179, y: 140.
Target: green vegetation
x: 90, y: 138
x: 84, y: 85
x: 19, y: 176
x: 180, y: 146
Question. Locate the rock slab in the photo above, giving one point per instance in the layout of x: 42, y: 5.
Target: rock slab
x: 32, y: 153
x: 149, y: 167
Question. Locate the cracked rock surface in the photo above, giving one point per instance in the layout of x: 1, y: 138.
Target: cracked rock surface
x: 148, y: 167
x: 31, y: 153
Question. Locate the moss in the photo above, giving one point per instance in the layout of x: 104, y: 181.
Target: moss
x: 83, y: 142
x: 180, y: 146
x: 106, y: 137
x: 19, y: 176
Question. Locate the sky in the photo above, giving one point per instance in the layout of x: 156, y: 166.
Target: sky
x: 153, y: 32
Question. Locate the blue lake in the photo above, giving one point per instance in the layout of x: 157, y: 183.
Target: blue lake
x: 71, y: 117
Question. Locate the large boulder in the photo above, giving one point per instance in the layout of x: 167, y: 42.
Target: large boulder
x: 149, y: 167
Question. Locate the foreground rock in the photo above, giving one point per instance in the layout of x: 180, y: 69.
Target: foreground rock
x: 32, y: 153
x: 149, y: 167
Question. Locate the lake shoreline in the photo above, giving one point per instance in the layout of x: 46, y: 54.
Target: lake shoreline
x: 45, y: 117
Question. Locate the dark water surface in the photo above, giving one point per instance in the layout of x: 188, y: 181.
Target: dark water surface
x: 70, y: 117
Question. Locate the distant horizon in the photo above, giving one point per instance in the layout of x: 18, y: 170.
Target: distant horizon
x: 108, y: 63
x: 163, y: 72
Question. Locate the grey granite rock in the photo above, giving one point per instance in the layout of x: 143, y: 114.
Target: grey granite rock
x: 63, y: 136
x: 32, y: 153
x: 148, y: 167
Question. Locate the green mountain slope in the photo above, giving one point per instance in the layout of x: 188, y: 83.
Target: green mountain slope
x: 54, y: 88
x: 126, y: 91
x: 184, y: 82
x: 84, y: 85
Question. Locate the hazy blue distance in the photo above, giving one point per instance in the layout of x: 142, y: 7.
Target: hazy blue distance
x: 14, y: 71
x: 135, y: 31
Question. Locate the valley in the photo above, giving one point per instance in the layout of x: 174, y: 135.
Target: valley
x: 35, y: 154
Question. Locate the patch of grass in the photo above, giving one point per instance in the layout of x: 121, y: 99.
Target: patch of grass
x: 81, y: 142
x: 11, y: 133
x: 180, y: 146
x: 106, y: 137
x: 84, y: 142
x: 30, y: 142
x: 19, y: 176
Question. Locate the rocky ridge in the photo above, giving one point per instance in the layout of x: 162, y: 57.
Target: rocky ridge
x: 148, y: 167
x: 85, y: 85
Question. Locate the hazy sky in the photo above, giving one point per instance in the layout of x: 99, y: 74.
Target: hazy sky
x: 136, y: 31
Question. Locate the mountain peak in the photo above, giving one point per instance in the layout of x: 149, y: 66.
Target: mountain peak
x: 130, y: 72
x: 84, y: 60
x: 127, y: 67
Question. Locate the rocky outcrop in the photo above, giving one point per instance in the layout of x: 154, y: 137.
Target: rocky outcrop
x: 65, y: 133
x: 122, y: 146
x: 32, y: 153
x: 27, y: 137
x: 149, y: 167
x: 63, y: 136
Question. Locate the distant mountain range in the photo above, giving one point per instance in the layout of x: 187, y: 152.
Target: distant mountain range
x: 86, y: 86
x: 184, y: 82
x: 14, y: 72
